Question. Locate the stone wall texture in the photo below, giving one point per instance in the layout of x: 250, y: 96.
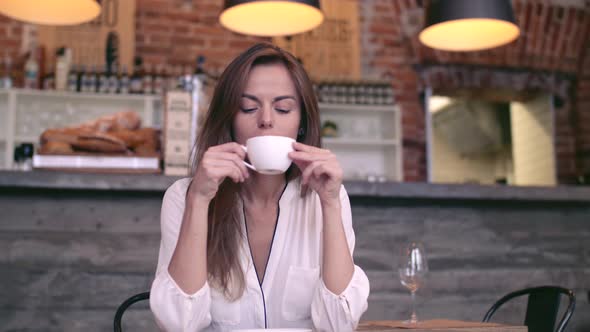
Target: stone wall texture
x: 69, y: 258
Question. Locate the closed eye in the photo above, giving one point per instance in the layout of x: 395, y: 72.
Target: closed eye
x: 282, y: 110
x: 248, y: 110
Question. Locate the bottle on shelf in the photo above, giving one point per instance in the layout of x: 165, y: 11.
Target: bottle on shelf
x: 341, y: 91
x: 370, y: 91
x: 187, y: 79
x: 361, y: 91
x: 351, y: 93
x: 31, y: 79
x: 84, y: 79
x: 90, y: 80
x: 199, y: 71
x: 124, y: 82
x: 73, y: 85
x: 199, y: 66
x: 27, y: 156
x: 103, y: 80
x: 159, y: 80
x: 113, y: 78
x: 136, y: 80
x: 62, y: 68
x: 49, y: 79
x: 17, y: 158
x: 389, y: 95
x: 175, y: 78
x: 169, y: 79
x: 147, y: 81
x: 94, y: 79
x: 6, y: 77
x: 23, y: 154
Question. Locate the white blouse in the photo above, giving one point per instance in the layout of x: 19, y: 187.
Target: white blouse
x: 292, y: 294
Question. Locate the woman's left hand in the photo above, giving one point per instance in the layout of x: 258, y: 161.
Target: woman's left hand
x: 320, y: 171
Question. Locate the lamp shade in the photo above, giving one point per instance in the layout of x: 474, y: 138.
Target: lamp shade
x: 468, y: 25
x: 51, y: 12
x: 271, y: 18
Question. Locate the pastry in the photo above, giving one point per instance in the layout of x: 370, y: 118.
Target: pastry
x: 100, y: 142
x: 56, y: 147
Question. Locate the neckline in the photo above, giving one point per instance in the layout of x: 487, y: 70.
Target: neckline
x: 261, y: 281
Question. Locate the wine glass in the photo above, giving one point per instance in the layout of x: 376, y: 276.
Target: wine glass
x: 412, y: 269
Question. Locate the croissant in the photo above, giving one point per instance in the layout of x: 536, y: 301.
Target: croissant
x: 115, y: 133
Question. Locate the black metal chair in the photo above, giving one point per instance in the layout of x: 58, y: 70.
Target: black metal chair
x: 542, y: 307
x: 128, y: 302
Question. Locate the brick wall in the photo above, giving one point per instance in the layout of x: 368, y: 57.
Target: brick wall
x: 175, y: 32
x: 10, y: 36
x: 386, y: 52
x: 552, y: 40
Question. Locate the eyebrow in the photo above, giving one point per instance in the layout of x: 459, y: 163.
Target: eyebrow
x: 275, y: 99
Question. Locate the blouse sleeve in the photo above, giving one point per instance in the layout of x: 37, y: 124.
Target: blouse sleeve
x: 342, y: 312
x: 174, y: 310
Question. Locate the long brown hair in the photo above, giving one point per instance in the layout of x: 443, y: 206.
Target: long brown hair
x: 224, y: 229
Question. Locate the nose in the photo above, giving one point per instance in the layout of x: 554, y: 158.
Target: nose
x: 265, y: 121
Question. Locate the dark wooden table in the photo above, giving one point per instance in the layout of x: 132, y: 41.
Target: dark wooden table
x: 437, y: 325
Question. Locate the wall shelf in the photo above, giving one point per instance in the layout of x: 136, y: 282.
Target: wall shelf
x: 368, y: 141
x: 25, y: 113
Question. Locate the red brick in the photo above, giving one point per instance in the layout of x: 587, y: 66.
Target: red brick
x: 241, y: 44
x: 16, y: 31
x: 184, y: 16
x: 147, y: 50
x: 182, y: 29
x: 216, y: 43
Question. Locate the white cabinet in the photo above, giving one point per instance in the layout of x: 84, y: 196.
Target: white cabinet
x: 368, y: 140
x: 25, y: 114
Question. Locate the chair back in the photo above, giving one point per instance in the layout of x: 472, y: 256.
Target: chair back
x: 542, y: 307
x: 126, y: 304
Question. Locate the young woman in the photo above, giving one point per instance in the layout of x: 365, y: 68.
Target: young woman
x: 244, y: 250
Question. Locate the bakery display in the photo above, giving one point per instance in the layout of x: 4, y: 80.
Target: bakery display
x: 115, y: 142
x: 119, y: 133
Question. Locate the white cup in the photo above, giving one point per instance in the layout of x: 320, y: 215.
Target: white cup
x: 269, y: 154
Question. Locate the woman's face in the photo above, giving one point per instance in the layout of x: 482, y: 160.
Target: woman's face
x: 269, y: 105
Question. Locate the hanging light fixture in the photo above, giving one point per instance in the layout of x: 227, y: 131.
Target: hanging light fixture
x: 271, y: 18
x: 469, y: 25
x: 51, y: 12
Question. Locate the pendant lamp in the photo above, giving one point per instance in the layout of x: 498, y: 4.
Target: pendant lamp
x: 468, y: 25
x: 51, y: 12
x: 269, y: 18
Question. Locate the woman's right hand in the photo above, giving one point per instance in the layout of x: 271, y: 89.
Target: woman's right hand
x: 219, y: 162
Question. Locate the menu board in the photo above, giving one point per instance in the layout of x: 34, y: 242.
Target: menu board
x: 89, y: 41
x: 332, y: 50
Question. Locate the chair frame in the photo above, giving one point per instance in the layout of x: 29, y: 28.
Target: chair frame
x: 528, y: 291
x: 126, y: 304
